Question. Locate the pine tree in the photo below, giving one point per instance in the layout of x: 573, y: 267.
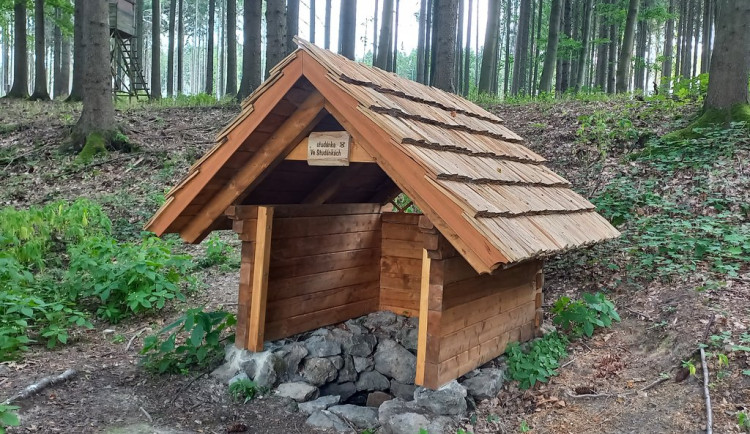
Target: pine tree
x: 155, y: 49
x: 210, y: 47
x: 231, y: 87
x: 275, y: 33
x: 489, y: 56
x: 626, y: 51
x: 20, y: 88
x: 251, y: 73
x: 550, y: 56
x: 446, y: 21
x: 386, y: 32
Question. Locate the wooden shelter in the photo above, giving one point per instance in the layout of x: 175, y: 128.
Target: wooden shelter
x: 303, y: 174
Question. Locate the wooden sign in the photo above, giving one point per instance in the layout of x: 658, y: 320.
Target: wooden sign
x: 328, y: 148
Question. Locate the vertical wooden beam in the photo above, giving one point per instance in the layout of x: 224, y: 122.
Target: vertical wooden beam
x: 260, y: 278
x: 244, y: 296
x: 424, y: 303
x: 539, y: 299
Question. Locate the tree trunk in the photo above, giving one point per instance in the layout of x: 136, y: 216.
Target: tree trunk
x: 155, y: 49
x: 231, y: 87
x: 97, y: 122
x: 550, y: 55
x: 64, y: 66
x: 458, y: 74
x: 640, y: 53
x: 421, y: 41
x: 20, y: 88
x: 507, y: 72
x: 220, y: 82
x: 275, y: 33
x: 706, y: 41
x: 467, y: 52
x: 433, y: 39
x: 521, y: 53
x: 292, y: 24
x: 602, y: 53
x: 446, y: 21
x: 394, y: 63
x: 612, y: 58
x: 312, y: 21
x: 489, y: 54
x: 696, y: 36
x: 386, y: 31
x: 730, y: 61
x: 429, y: 42
x: 56, y: 56
x: 180, y: 45
x: 375, y: 32
x: 326, y: 26
x: 252, y: 18
x: 567, y: 21
x: 687, y: 42
x: 210, y: 47
x: 348, y: 28
x: 530, y: 79
x: 535, y: 76
x: 588, y: 5
x: 170, y: 49
x: 626, y: 50
x: 666, y: 67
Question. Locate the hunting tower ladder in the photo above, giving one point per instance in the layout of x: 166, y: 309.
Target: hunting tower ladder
x: 126, y: 64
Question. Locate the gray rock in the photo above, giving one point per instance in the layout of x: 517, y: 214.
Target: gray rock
x: 450, y: 399
x: 360, y: 417
x: 403, y: 391
x: 288, y: 404
x: 484, y: 385
x: 234, y: 358
x: 343, y: 390
x: 355, y: 326
x: 400, y: 417
x: 324, y: 419
x: 321, y: 403
x: 298, y: 391
x: 292, y: 355
x: 362, y: 364
x: 371, y: 381
x: 408, y: 338
x: 239, y: 377
x: 359, y: 345
x: 379, y: 319
x: 264, y: 368
x: 375, y: 399
x: 338, y: 361
x: 318, y: 371
x: 347, y: 372
x: 395, y: 361
x: 322, y: 346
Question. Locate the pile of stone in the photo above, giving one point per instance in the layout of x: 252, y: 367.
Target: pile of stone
x: 358, y: 375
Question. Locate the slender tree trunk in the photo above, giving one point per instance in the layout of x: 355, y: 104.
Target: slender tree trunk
x: 56, y: 56
x: 180, y: 45
x: 489, y: 54
x: 680, y: 33
x: 446, y: 21
x: 394, y: 62
x: 696, y: 36
x: 348, y: 29
x: 535, y: 77
x: 565, y: 60
x: 706, y: 40
x: 326, y: 27
x: 98, y: 114
x: 576, y: 17
x: 375, y: 32
x: 78, y: 59
x: 251, y: 72
x: 436, y: 4
x: 20, y: 88
x: 687, y: 48
x: 429, y: 42
x: 550, y: 56
x: 529, y: 90
x: 231, y: 88
x: 458, y: 74
x: 668, y: 50
x: 312, y: 21
x: 467, y: 52
x: 275, y: 33
x: 210, y: 47
x: 421, y: 41
x: 730, y: 61
x: 170, y: 49
x: 522, y: 43
x: 612, y: 58
x: 626, y: 50
x: 64, y: 66
x: 155, y: 49
x: 507, y: 72
x: 602, y: 53
x: 588, y: 5
x: 639, y: 69
x: 292, y: 24
x: 386, y: 32
x: 222, y: 48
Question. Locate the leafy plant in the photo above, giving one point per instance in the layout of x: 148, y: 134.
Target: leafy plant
x: 218, y: 253
x: 743, y: 421
x: 582, y: 316
x: 690, y: 366
x: 244, y: 390
x: 193, y: 340
x: 8, y: 417
x: 524, y: 427
x: 540, y: 362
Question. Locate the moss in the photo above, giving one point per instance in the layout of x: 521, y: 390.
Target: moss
x: 95, y: 144
x: 711, y: 118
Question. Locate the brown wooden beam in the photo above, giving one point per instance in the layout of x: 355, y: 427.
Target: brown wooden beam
x: 261, y: 263
x: 329, y: 186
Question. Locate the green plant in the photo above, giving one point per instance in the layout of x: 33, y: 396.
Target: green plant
x: 743, y: 421
x: 126, y: 278
x: 218, y: 253
x: 582, y: 316
x: 8, y: 417
x: 192, y: 340
x: 540, y: 361
x: 244, y: 390
x: 690, y: 366
x: 524, y: 426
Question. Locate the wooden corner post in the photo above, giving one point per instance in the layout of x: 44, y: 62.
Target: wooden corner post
x: 261, y: 262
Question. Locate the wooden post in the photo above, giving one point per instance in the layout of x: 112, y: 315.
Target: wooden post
x: 245, y: 292
x: 424, y: 297
x: 260, y: 279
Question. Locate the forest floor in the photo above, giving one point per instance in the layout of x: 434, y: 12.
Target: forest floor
x: 664, y: 317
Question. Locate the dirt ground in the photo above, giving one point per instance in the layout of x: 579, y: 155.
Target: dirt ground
x: 662, y: 323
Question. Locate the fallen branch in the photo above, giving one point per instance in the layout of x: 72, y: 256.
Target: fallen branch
x: 145, y: 413
x: 41, y: 385
x: 568, y: 362
x: 709, y: 412
x: 135, y: 336
x: 635, y: 312
x: 590, y: 395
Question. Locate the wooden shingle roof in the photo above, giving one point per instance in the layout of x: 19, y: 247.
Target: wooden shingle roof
x: 493, y: 198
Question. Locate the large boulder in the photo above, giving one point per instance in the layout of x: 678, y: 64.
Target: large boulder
x: 324, y: 419
x: 234, y: 358
x: 403, y: 391
x: 486, y: 384
x: 348, y: 371
x: 292, y: 355
x: 408, y: 337
x: 380, y: 319
x: 321, y: 403
x: 264, y: 368
x: 450, y: 399
x: 395, y: 361
x: 360, y: 417
x: 319, y: 371
x: 400, y: 417
x: 359, y: 345
x: 377, y: 398
x: 298, y: 391
x: 322, y: 345
x: 371, y: 381
x: 344, y: 390
x: 362, y: 364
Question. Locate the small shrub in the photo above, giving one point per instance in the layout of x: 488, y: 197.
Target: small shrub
x: 743, y: 421
x: 218, y: 253
x: 193, y: 340
x: 244, y: 390
x: 582, y: 316
x: 540, y: 362
x: 8, y: 417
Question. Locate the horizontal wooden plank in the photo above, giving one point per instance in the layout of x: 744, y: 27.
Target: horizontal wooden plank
x: 296, y: 227
x: 311, y: 321
x: 404, y: 232
x: 308, y: 246
x: 463, y: 315
x: 294, y: 267
x: 396, y: 265
x: 407, y: 282
x: 478, y: 286
x: 401, y: 218
x: 281, y: 289
x: 402, y: 249
x: 400, y: 310
x: 311, y: 303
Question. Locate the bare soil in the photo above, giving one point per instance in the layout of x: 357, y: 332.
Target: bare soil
x: 662, y: 323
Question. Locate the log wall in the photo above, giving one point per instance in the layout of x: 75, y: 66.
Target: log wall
x: 401, y: 263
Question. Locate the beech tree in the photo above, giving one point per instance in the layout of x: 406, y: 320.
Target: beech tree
x: 550, y: 58
x: 730, y: 60
x: 155, y: 49
x: 626, y: 51
x: 20, y: 88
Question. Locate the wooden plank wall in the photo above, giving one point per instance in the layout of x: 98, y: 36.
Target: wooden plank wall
x: 482, y: 313
x: 324, y: 267
x: 401, y: 263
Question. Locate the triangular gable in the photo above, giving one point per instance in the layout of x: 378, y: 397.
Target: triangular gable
x: 491, y: 197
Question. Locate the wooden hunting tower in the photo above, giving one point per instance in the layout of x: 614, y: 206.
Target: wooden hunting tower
x: 304, y: 173
x: 127, y: 71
